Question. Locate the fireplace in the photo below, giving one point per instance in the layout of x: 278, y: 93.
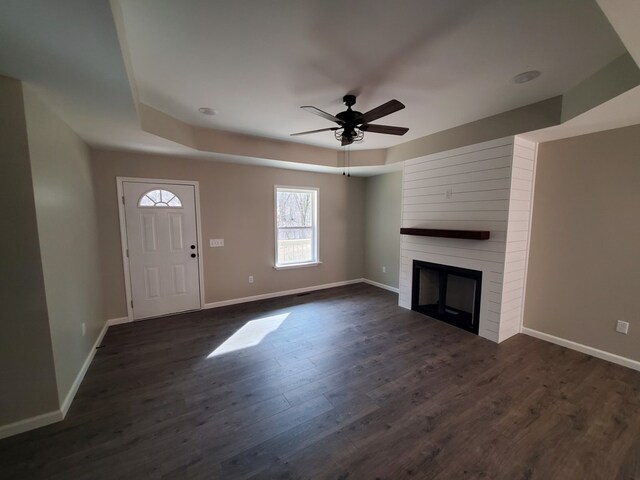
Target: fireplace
x: 450, y: 294
x: 446, y: 223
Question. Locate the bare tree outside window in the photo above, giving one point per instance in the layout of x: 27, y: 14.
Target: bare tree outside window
x: 296, y: 226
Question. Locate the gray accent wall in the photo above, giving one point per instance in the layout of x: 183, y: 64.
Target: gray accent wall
x: 66, y: 216
x: 520, y: 120
x: 27, y: 373
x: 383, y: 195
x: 617, y: 77
x: 584, y: 258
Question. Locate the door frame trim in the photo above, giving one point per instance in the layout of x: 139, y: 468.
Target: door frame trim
x: 123, y: 233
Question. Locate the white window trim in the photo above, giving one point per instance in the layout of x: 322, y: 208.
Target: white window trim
x: 316, y: 230
x: 297, y: 265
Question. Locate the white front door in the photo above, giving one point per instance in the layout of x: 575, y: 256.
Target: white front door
x: 162, y: 247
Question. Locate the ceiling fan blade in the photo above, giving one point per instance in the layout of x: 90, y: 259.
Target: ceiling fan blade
x: 379, y: 112
x: 321, y: 113
x: 315, y: 131
x: 388, y: 129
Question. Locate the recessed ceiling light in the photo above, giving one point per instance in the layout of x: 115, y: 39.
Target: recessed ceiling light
x: 207, y: 111
x: 525, y: 77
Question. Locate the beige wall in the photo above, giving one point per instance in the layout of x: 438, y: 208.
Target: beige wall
x: 27, y: 376
x: 584, y: 263
x: 237, y: 205
x: 383, y: 195
x: 67, y: 226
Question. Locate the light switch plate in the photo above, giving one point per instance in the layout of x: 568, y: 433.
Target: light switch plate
x: 216, y: 242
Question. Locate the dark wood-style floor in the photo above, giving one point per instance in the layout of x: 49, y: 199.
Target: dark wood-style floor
x: 349, y: 386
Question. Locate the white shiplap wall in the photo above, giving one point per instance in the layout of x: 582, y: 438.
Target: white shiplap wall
x: 517, y: 246
x: 486, y: 186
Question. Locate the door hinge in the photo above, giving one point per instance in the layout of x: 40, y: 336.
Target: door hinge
x: 127, y: 253
x: 123, y: 199
x: 131, y: 303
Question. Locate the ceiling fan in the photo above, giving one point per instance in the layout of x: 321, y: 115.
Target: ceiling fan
x: 352, y: 124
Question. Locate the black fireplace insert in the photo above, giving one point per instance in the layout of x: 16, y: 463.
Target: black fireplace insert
x: 450, y: 294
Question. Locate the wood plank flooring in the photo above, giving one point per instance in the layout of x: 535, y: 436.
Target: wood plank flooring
x: 348, y: 386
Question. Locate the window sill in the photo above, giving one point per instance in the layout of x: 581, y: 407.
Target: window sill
x: 296, y: 265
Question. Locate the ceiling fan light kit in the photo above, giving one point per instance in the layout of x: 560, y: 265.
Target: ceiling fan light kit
x: 352, y: 124
x: 356, y: 136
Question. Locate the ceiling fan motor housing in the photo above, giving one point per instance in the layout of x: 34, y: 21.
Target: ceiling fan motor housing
x: 352, y: 124
x: 349, y: 117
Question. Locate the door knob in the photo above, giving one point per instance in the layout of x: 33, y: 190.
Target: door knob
x: 193, y: 255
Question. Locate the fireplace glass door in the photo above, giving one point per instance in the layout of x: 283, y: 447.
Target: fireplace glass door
x: 448, y: 293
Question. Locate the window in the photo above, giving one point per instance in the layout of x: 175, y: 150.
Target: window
x: 159, y: 198
x: 296, y: 226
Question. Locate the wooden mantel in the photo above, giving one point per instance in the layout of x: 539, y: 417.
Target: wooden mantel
x: 434, y: 232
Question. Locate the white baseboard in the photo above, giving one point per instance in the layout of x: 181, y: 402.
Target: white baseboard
x: 30, y: 423
x: 117, y: 321
x: 283, y: 293
x: 381, y: 285
x: 64, y: 408
x: 594, y: 352
x: 54, y: 416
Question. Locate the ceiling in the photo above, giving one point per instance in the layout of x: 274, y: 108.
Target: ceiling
x: 449, y: 61
x: 256, y: 62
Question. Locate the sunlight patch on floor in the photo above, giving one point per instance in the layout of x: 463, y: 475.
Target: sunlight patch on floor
x: 250, y: 334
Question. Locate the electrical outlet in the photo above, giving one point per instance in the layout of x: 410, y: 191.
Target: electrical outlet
x: 384, y: 269
x: 250, y: 278
x: 622, y: 327
x: 84, y: 329
x: 216, y: 242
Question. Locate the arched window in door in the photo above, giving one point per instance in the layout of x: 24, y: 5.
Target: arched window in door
x: 160, y: 198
